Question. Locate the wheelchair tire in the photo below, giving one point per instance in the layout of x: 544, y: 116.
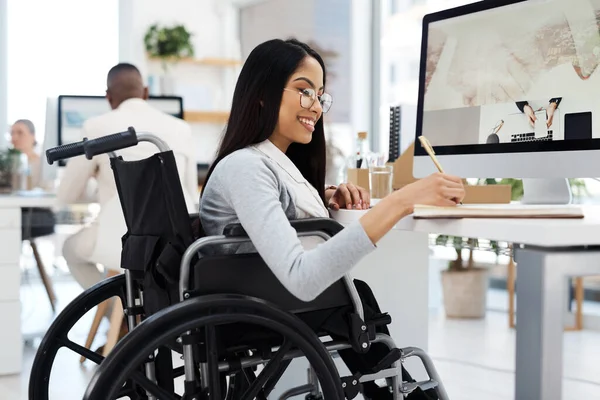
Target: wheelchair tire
x: 57, y: 335
x: 210, y: 310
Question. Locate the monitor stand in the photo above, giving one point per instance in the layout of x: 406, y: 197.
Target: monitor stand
x: 546, y: 191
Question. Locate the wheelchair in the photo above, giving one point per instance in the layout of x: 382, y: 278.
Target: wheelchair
x: 234, y: 325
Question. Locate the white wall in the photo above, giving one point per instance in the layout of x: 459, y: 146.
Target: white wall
x: 3, y: 73
x: 360, y: 51
x: 213, y: 25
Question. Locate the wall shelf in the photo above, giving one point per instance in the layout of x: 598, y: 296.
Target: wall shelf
x: 211, y: 117
x: 208, y: 61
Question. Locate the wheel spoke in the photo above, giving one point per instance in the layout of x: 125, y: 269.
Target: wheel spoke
x: 82, y: 351
x: 152, y: 387
x: 270, y: 385
x: 270, y: 369
x: 251, y: 379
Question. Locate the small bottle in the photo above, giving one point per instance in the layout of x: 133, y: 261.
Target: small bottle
x: 363, y: 152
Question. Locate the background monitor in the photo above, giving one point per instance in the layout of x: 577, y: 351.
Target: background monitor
x: 510, y: 89
x: 73, y: 111
x: 66, y: 114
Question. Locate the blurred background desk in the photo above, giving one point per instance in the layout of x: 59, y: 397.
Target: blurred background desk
x: 11, y: 343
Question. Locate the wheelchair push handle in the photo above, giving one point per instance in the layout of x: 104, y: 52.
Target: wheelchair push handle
x: 94, y: 147
x: 65, y: 151
x: 110, y: 143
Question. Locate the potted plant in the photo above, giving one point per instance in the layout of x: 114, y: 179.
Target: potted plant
x: 9, y: 162
x: 464, y: 284
x: 169, y: 45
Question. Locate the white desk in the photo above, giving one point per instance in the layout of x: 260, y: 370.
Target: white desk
x: 11, y: 343
x: 552, y: 251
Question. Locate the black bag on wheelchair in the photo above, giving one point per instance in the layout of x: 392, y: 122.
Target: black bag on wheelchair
x: 158, y: 225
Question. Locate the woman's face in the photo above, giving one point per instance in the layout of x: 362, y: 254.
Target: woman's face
x: 297, y: 116
x: 21, y: 138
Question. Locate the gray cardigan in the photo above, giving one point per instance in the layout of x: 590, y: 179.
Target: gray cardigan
x: 252, y: 186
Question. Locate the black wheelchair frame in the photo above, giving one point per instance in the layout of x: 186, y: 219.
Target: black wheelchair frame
x: 214, y: 291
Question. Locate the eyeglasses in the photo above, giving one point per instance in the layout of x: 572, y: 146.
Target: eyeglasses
x: 308, y: 97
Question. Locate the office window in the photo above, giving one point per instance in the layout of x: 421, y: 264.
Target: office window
x: 58, y: 47
x: 400, y: 52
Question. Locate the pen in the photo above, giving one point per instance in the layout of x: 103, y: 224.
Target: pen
x: 429, y: 149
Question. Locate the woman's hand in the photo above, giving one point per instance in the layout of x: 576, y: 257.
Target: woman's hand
x: 435, y: 190
x: 530, y: 114
x: 550, y: 113
x: 348, y: 195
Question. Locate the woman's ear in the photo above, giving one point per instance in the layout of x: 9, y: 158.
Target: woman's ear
x: 262, y: 103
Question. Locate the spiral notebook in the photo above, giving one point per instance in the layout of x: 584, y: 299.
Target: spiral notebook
x: 498, y: 211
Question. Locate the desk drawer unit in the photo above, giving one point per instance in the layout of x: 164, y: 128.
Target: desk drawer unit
x: 10, y: 254
x: 11, y: 344
x: 10, y: 218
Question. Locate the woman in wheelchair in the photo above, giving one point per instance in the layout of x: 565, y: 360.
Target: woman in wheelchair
x: 255, y: 285
x: 270, y: 169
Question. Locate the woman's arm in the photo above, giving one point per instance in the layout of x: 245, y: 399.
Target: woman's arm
x: 249, y: 184
x: 436, y: 190
x: 251, y: 187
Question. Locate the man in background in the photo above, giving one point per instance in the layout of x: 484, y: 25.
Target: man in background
x: 100, y: 242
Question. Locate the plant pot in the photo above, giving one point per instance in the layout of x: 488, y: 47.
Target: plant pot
x: 465, y: 292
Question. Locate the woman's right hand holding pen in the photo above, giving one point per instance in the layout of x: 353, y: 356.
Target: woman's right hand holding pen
x: 438, y: 189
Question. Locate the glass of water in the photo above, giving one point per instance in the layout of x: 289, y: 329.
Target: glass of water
x: 380, y: 180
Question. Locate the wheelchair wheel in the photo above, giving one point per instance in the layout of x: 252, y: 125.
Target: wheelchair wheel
x: 203, y: 316
x: 57, y: 336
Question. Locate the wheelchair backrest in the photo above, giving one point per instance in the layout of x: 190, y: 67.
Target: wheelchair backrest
x: 158, y: 225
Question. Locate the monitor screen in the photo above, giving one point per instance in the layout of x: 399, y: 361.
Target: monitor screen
x: 73, y: 111
x: 511, y: 76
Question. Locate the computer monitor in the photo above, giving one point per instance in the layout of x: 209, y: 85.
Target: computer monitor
x: 510, y: 89
x: 73, y: 111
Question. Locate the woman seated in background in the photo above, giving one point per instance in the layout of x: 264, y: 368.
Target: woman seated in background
x: 270, y: 168
x: 22, y: 137
x: 35, y: 222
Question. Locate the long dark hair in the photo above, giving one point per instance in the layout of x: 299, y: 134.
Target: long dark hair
x: 255, y: 108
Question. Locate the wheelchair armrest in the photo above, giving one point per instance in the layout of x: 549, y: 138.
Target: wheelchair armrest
x: 326, y: 225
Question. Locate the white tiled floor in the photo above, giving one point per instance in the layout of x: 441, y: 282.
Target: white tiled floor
x: 474, y: 357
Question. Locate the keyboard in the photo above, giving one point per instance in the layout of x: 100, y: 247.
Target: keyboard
x: 530, y: 137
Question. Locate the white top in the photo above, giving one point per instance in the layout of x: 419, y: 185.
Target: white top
x: 262, y: 189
